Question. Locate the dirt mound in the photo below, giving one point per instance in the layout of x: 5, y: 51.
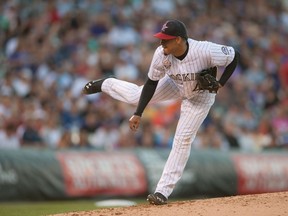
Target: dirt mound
x: 268, y: 204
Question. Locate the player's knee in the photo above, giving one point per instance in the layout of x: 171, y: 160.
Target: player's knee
x: 183, y: 142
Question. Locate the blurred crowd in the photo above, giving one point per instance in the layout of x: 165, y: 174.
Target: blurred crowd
x: 51, y: 49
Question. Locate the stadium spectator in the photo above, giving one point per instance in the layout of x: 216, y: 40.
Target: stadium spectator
x: 9, y: 138
x: 50, y: 49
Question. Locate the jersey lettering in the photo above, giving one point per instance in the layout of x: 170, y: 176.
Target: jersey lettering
x: 183, y: 77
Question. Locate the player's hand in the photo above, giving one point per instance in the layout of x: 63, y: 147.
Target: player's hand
x: 134, y: 122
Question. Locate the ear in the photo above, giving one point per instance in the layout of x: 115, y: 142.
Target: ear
x: 179, y: 40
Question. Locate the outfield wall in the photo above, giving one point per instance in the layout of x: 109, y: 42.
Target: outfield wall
x: 37, y: 174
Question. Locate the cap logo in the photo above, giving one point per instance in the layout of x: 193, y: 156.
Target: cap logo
x: 172, y: 29
x: 225, y: 50
x: 164, y: 27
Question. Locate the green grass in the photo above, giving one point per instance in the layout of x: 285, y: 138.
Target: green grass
x: 44, y: 208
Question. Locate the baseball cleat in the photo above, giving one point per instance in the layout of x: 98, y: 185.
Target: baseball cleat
x: 93, y: 86
x: 157, y: 199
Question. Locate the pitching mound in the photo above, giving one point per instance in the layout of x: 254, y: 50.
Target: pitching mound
x: 269, y: 204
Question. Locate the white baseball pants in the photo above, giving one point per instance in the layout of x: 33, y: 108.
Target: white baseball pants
x: 193, y: 113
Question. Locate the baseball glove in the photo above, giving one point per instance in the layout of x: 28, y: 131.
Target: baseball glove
x: 206, y: 80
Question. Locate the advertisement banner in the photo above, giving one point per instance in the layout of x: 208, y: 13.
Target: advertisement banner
x: 37, y: 174
x: 30, y: 175
x: 102, y: 173
x: 259, y: 173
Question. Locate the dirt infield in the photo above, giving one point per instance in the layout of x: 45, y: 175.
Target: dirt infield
x: 268, y: 204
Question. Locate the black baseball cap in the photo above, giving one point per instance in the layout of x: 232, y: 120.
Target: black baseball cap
x: 172, y: 29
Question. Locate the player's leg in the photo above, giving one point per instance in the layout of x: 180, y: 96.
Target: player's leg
x: 130, y: 93
x: 193, y: 113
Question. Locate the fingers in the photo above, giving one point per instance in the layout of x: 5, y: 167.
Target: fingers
x: 133, y: 127
x: 134, y: 122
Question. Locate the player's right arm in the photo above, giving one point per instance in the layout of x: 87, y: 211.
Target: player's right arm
x: 146, y: 95
x: 156, y: 72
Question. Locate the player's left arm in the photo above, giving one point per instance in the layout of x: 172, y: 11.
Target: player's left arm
x: 223, y: 56
x: 229, y: 69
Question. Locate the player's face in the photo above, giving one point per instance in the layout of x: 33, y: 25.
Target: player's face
x: 167, y: 45
x: 170, y: 46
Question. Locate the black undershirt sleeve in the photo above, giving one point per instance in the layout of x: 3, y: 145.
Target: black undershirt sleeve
x: 146, y: 95
x: 229, y: 69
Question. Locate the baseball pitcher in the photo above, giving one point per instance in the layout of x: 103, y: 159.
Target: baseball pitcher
x: 181, y: 68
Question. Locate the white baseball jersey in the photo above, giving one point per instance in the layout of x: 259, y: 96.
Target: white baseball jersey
x: 177, y: 80
x: 201, y: 55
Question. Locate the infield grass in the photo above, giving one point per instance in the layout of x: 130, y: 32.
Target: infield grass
x: 44, y: 208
